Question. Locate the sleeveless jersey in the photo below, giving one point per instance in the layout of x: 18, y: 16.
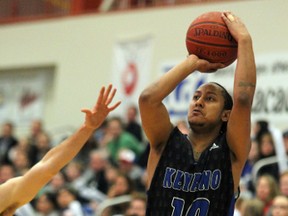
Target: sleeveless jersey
x: 183, y: 187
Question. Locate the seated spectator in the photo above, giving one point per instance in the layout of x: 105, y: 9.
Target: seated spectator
x: 21, y: 163
x: 137, y: 205
x: 21, y: 146
x: 252, y: 207
x: 46, y: 205
x: 41, y: 146
x: 127, y: 165
x: 7, y: 172
x: 283, y: 183
x: 118, y: 138
x: 266, y: 190
x: 95, y: 175
x: 266, y: 150
x: 123, y: 185
x: 132, y: 125
x: 67, y: 200
x: 280, y: 206
x: 7, y: 141
x: 58, y: 181
x: 36, y: 127
x: 73, y: 172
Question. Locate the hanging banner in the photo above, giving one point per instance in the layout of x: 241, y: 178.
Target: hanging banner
x: 21, y: 97
x: 271, y: 95
x: 131, y: 69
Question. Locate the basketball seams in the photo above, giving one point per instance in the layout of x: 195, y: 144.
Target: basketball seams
x: 211, y: 44
x: 208, y: 23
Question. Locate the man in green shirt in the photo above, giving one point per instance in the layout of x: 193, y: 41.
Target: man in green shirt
x: 120, y: 139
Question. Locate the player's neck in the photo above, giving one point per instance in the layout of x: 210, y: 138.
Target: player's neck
x: 200, y: 141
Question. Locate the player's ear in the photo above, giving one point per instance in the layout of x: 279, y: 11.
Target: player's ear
x: 225, y: 115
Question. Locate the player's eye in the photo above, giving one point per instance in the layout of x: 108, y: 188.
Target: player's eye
x: 210, y: 98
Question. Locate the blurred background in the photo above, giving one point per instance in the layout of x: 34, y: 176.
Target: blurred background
x: 55, y: 55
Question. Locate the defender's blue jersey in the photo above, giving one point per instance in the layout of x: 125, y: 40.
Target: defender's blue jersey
x: 183, y: 187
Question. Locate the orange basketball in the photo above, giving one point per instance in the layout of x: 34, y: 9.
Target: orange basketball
x: 209, y: 38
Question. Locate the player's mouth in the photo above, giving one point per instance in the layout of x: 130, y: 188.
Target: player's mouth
x: 197, y: 112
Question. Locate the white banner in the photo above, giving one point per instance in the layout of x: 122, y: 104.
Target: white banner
x: 21, y: 97
x: 271, y: 96
x: 131, y: 69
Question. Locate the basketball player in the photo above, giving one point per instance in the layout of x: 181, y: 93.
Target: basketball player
x: 20, y: 190
x: 199, y: 174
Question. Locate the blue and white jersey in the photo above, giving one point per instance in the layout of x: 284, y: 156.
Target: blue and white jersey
x: 182, y: 186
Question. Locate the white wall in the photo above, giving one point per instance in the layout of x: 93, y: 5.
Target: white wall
x: 81, y: 47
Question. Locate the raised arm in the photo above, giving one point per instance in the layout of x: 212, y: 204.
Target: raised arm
x: 239, y: 124
x: 18, y: 191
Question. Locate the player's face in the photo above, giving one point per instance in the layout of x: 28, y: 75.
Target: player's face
x: 206, y: 106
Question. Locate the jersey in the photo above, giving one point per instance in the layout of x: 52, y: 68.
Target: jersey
x: 182, y: 186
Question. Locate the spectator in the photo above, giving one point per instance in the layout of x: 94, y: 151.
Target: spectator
x: 266, y: 150
x: 127, y: 165
x: 96, y: 174
x: 119, y: 138
x: 280, y: 206
x: 266, y: 145
x: 123, y: 185
x: 58, y: 181
x: 36, y: 128
x: 21, y: 162
x: 67, y: 200
x: 259, y: 127
x: 253, y: 207
x: 7, y: 141
x: 22, y: 146
x: 132, y: 125
x: 46, y: 205
x: 6, y: 172
x: 283, y: 183
x: 137, y: 206
x: 74, y: 173
x: 266, y: 190
x: 42, y: 145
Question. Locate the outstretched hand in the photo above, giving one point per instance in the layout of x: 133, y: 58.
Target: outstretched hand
x: 96, y: 116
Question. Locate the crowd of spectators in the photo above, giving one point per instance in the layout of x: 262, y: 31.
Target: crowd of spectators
x: 112, y: 165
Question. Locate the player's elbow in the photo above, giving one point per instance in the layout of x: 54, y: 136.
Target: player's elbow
x: 243, y: 98
x: 145, y: 98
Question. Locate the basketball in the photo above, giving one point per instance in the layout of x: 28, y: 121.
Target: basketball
x: 209, y: 38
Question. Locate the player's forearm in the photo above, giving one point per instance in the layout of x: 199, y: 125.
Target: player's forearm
x: 245, y: 76
x: 60, y: 155
x: 158, y: 90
